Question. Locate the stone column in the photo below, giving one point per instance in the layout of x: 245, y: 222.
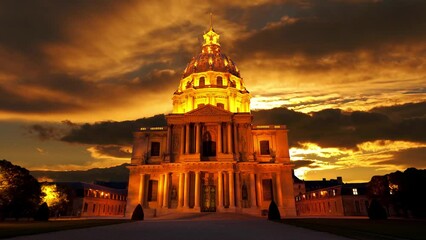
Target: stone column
x: 166, y: 191
x: 229, y: 139
x: 238, y: 189
x: 182, y: 139
x: 169, y: 139
x: 187, y: 138
x: 142, y: 190
x: 279, y: 190
x: 180, y: 190
x: 259, y: 190
x: 197, y: 138
x: 219, y: 138
x: 197, y: 190
x: 252, y: 191
x: 186, y: 191
x: 231, y: 190
x: 160, y: 191
x: 236, y: 149
x: 220, y: 188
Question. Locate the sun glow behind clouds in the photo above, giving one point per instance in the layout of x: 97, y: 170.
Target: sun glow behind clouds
x: 377, y: 154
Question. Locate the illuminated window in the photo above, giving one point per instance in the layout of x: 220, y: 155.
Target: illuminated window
x: 264, y: 148
x: 155, y: 149
x: 355, y: 191
x: 220, y: 105
x: 202, y: 82
x: 334, y: 192
x: 219, y: 81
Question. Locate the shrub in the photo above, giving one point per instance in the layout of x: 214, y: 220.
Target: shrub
x: 273, y: 213
x: 376, y: 210
x: 42, y: 213
x: 138, y: 214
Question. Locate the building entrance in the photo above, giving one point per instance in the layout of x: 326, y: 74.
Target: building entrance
x: 209, y: 199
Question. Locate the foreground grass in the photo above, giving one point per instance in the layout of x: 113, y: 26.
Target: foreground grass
x: 14, y: 229
x: 365, y: 229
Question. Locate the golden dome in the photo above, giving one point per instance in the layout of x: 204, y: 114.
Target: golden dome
x: 210, y: 58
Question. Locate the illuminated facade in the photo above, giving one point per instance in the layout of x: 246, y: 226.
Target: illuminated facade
x: 209, y: 157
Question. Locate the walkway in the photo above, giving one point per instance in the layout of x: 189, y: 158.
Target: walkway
x: 201, y: 227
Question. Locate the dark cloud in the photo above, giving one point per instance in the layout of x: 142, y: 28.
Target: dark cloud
x: 409, y: 158
x: 335, y: 128
x: 13, y: 102
x: 106, y: 133
x: 303, y: 163
x: 112, y: 151
x: 327, y: 128
x: 406, y: 111
x: 329, y: 26
x: 45, y: 132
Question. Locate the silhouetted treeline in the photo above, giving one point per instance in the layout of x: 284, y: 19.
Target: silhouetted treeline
x: 401, y: 193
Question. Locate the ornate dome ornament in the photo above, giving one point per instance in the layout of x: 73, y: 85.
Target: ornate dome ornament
x: 211, y: 57
x: 211, y: 78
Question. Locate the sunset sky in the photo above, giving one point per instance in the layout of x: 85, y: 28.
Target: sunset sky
x: 348, y: 77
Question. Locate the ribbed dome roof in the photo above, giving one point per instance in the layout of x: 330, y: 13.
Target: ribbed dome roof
x: 210, y: 58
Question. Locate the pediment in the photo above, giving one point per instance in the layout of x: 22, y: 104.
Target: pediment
x: 208, y: 110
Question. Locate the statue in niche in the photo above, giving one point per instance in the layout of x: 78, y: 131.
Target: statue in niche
x: 244, y: 193
x: 173, y: 194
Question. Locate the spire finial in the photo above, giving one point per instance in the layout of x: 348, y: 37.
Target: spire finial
x: 211, y: 21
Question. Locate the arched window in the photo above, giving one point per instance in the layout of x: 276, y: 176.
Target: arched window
x: 219, y: 81
x: 202, y: 82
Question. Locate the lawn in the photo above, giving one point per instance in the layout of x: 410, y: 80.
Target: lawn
x: 365, y: 229
x: 12, y: 229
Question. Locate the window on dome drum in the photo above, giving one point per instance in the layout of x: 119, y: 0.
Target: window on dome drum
x: 220, y: 105
x: 219, y: 81
x: 355, y: 191
x: 264, y: 148
x: 155, y: 149
x: 202, y: 82
x: 152, y: 190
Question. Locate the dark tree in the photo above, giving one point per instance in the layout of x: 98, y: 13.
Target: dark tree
x: 376, y: 211
x: 138, y: 214
x: 273, y: 213
x: 42, y: 213
x: 19, y: 191
x: 401, y: 192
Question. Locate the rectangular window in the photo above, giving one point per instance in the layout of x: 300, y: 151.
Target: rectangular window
x: 264, y: 148
x: 152, y: 190
x: 85, y: 207
x: 155, y: 149
x: 355, y: 191
x: 267, y: 189
x: 94, y: 208
x: 334, y: 192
